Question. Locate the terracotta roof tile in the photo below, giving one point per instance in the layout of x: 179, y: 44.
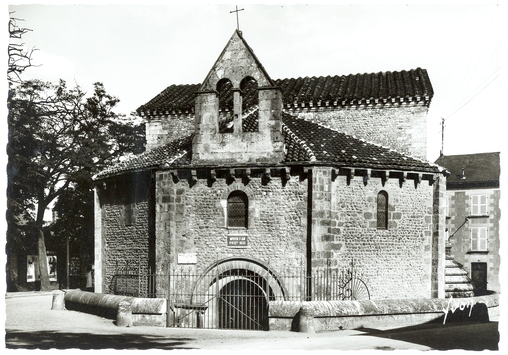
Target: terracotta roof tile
x: 305, y: 143
x: 351, y: 89
x: 174, y: 97
x: 178, y: 152
x: 331, y: 146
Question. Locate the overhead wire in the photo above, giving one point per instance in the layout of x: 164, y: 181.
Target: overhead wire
x: 469, y: 75
x: 444, y: 119
x: 477, y: 93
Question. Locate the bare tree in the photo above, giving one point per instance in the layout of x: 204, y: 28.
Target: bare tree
x: 19, y: 58
x: 58, y: 138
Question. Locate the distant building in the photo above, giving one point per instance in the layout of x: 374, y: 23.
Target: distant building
x: 473, y: 215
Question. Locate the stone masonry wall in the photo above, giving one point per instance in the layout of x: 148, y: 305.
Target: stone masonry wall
x: 395, y: 263
x: 400, y: 127
x: 166, y: 129
x: 192, y: 220
x: 403, y: 127
x: 125, y: 246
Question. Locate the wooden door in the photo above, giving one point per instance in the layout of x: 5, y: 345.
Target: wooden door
x: 479, y: 278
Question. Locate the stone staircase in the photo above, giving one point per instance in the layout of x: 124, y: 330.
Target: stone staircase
x: 457, y: 282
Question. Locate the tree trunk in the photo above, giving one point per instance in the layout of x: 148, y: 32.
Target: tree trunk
x: 43, y: 261
x: 41, y: 244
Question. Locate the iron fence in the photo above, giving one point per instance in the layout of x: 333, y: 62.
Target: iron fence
x: 236, y: 298
x: 325, y: 284
x: 135, y: 282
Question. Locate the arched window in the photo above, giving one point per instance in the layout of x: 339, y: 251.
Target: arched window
x: 250, y: 99
x: 382, y: 210
x: 225, y: 92
x: 238, y: 206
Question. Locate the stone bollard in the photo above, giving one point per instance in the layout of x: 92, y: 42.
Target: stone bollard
x: 306, y: 324
x: 124, y: 314
x: 58, y: 301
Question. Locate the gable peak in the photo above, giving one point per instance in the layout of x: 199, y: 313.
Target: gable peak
x: 236, y: 62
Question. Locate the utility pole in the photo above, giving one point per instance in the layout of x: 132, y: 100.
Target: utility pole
x: 442, y: 136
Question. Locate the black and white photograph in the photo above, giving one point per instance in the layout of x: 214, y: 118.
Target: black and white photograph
x: 253, y: 176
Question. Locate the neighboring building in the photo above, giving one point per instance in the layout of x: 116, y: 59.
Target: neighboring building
x: 246, y: 178
x: 473, y: 214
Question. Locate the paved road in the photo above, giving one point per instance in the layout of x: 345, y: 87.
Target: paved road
x: 30, y: 323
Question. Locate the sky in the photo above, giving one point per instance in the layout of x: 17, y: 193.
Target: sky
x: 136, y: 51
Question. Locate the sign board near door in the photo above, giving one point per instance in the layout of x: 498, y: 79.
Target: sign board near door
x: 237, y: 241
x: 187, y: 258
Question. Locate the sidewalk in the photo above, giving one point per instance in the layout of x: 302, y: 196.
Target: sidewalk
x: 30, y: 323
x: 29, y: 293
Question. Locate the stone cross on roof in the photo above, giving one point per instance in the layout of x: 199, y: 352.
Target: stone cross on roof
x: 237, y: 22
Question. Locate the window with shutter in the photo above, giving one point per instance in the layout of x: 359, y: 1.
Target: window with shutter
x: 448, y: 205
x: 237, y: 209
x: 479, y: 239
x: 479, y: 205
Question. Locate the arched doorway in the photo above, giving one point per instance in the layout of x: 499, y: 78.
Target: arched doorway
x: 234, y: 294
x: 242, y: 304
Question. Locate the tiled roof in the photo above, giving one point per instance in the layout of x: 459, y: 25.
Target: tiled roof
x: 174, y: 97
x: 177, y: 152
x: 326, y: 145
x: 480, y: 170
x: 306, y: 143
x: 410, y: 85
x: 357, y: 87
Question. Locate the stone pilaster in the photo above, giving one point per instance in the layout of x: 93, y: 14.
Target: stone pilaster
x: 439, y: 239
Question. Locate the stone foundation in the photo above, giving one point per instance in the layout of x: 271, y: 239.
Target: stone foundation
x: 145, y: 311
x: 321, y: 316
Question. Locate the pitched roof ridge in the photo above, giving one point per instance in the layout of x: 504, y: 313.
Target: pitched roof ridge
x: 299, y: 141
x: 389, y: 72
x: 168, y: 162
x: 470, y: 154
x: 251, y: 110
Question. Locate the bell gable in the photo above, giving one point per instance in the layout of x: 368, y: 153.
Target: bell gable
x: 222, y: 139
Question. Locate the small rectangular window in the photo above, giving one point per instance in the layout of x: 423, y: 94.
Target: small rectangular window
x: 448, y: 204
x: 479, y: 205
x: 479, y: 239
x: 129, y: 214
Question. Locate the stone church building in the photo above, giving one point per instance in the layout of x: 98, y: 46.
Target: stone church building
x: 255, y: 176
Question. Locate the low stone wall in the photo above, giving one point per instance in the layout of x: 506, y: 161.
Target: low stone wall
x: 319, y: 316
x: 284, y: 315
x: 145, y: 311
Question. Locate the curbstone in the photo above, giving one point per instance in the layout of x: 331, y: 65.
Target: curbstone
x: 124, y: 314
x: 306, y: 324
x: 319, y: 316
x: 58, y: 302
